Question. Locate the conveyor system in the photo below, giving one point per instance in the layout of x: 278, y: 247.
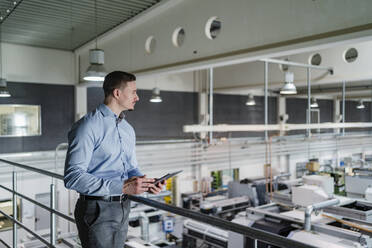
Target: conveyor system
x: 226, y: 208
x: 355, y: 209
x: 197, y: 234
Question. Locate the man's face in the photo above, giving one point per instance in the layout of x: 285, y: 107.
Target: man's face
x: 128, y: 96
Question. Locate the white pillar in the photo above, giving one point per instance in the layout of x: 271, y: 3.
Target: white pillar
x: 282, y: 115
x: 80, y: 101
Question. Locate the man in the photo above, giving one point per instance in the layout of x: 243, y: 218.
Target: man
x: 101, y: 165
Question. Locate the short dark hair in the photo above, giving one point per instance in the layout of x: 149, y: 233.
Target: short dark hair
x: 114, y: 80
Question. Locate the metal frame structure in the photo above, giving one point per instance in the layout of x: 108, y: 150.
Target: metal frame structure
x: 253, y: 233
x: 277, y: 127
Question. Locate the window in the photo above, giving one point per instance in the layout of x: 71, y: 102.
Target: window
x: 351, y: 55
x: 20, y: 120
x: 178, y: 37
x: 213, y: 28
x: 150, y: 44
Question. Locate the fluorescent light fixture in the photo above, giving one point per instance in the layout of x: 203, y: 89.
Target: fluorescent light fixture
x: 96, y: 72
x: 250, y: 100
x: 360, y: 105
x: 314, y: 103
x: 4, y: 92
x: 155, y: 95
x: 289, y: 88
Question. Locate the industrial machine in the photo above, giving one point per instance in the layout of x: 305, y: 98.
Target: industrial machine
x: 197, y: 234
x: 225, y: 208
x: 357, y: 184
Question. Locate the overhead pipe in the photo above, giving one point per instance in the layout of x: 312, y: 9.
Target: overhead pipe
x: 286, y: 62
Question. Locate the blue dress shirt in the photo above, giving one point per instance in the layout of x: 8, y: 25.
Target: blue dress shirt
x: 101, y: 154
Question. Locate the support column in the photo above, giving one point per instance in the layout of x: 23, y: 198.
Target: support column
x: 282, y: 112
x: 210, y: 104
x: 308, y: 119
x: 266, y: 100
x: 336, y: 113
x: 343, y: 106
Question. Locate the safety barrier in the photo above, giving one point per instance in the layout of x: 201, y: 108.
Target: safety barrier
x: 253, y: 233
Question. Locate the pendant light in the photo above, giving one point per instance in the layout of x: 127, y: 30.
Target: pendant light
x: 156, y: 95
x: 289, y: 88
x: 314, y: 103
x: 250, y: 100
x: 4, y: 92
x: 96, y: 72
x: 360, y: 105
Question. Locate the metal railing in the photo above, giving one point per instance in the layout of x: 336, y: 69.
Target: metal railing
x: 253, y: 233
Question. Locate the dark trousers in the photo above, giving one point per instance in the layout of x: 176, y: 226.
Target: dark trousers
x: 102, y: 224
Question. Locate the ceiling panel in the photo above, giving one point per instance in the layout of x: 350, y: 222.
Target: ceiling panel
x: 62, y: 24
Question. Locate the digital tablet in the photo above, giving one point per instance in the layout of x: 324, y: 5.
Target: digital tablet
x: 165, y: 177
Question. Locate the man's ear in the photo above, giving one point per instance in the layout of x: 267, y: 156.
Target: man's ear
x: 116, y: 93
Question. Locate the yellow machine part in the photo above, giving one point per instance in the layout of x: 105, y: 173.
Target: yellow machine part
x: 313, y: 166
x: 168, y: 199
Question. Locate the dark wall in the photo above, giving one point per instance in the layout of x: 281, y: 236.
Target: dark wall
x: 352, y: 114
x: 231, y: 109
x: 57, y: 115
x: 165, y: 120
x: 154, y: 121
x: 296, y: 110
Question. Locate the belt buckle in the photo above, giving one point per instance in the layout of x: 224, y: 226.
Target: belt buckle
x: 123, y: 197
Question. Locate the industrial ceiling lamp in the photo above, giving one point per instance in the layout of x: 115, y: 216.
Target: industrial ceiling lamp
x: 360, y: 105
x: 314, y: 103
x: 96, y: 72
x: 250, y: 100
x: 289, y: 88
x: 4, y: 92
x: 156, y: 95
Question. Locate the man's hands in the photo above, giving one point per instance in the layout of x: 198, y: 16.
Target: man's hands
x: 138, y: 185
x: 156, y: 188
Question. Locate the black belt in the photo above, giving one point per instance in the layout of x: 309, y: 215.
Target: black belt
x: 118, y: 198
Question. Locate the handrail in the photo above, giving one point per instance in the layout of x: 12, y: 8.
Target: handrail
x: 39, y: 204
x: 5, y: 244
x: 26, y: 228
x: 27, y: 167
x: 254, y: 233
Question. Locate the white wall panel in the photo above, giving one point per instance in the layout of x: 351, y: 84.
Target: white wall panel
x: 246, y: 27
x: 37, y: 65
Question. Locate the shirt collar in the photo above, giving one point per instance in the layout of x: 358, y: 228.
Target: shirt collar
x: 106, y: 111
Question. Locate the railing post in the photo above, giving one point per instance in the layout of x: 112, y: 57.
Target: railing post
x: 14, y: 209
x: 52, y: 215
